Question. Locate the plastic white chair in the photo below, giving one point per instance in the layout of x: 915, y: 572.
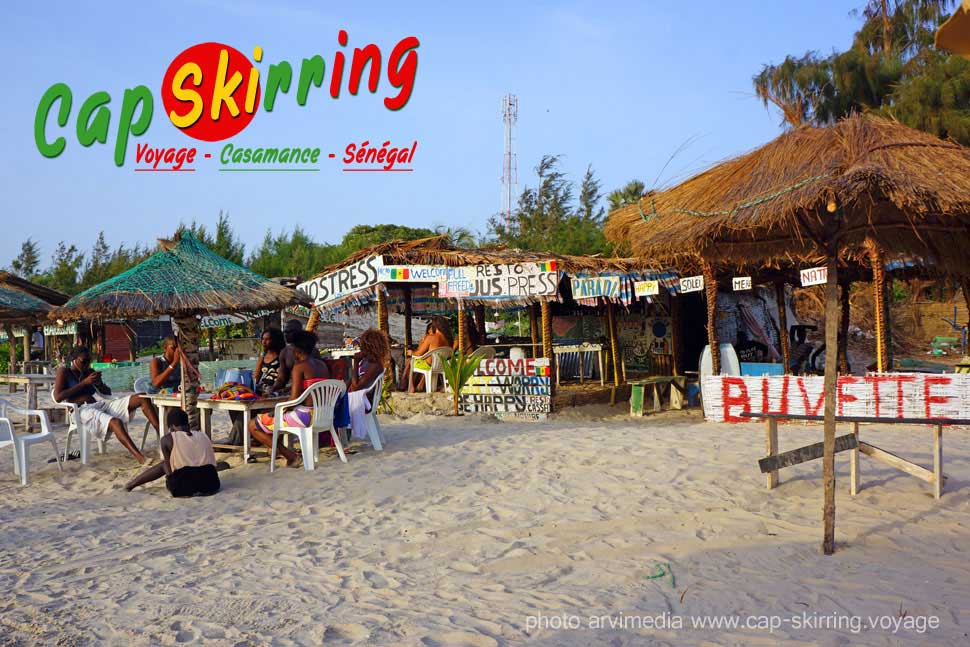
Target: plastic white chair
x: 374, y: 433
x: 143, y: 385
x: 485, y: 352
x: 74, y: 424
x: 21, y: 442
x: 431, y: 375
x: 324, y: 396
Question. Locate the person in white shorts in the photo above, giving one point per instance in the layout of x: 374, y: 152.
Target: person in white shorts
x: 77, y: 383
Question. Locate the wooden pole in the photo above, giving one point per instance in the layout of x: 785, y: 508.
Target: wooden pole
x: 462, y: 333
x: 782, y: 324
x: 12, y: 341
x: 534, y: 328
x: 480, y: 323
x: 710, y: 288
x: 408, y: 338
x: 879, y: 298
x: 547, y: 342
x: 614, y: 347
x: 675, y: 331
x: 27, y: 327
x: 831, y: 373
x: 313, y: 321
x: 844, y: 289
x: 382, y: 325
x: 189, y: 341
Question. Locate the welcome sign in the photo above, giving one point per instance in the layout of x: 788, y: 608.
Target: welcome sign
x: 510, y: 388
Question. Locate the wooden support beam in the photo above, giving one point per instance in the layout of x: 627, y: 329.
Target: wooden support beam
x: 546, y: 314
x: 12, y: 341
x: 614, y: 345
x: 771, y: 445
x: 462, y: 324
x: 534, y: 328
x: 828, y: 455
x: 408, y: 313
x: 854, y: 463
x: 710, y: 288
x: 480, y: 323
x: 876, y: 260
x: 843, y: 355
x: 938, y: 477
x: 675, y: 332
x: 902, y: 464
x: 783, y: 325
x: 383, y: 326
x: 312, y: 322
x: 804, y: 454
x: 189, y: 342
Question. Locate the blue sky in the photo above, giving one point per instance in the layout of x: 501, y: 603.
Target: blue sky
x: 619, y: 85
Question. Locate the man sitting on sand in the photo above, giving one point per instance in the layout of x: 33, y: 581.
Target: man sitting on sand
x: 189, y: 466
x: 77, y: 383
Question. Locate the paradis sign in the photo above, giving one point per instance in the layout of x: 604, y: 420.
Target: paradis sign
x: 878, y: 395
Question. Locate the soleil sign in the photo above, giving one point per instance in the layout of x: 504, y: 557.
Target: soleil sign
x: 212, y: 91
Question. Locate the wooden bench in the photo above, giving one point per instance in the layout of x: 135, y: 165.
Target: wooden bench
x: 673, y: 387
x: 774, y: 461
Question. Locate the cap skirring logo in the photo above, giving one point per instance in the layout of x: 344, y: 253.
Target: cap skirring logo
x: 212, y: 91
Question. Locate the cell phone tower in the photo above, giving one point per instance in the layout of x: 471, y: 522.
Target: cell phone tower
x: 510, y: 167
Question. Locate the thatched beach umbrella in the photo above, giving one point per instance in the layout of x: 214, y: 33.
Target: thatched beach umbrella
x: 185, y: 280
x: 866, y: 187
x: 20, y: 302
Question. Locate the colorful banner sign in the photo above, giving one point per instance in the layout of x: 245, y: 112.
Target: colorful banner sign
x: 415, y: 273
x: 514, y: 388
x: 646, y: 288
x: 596, y: 286
x: 814, y: 276
x: 344, y: 282
x: 216, y: 321
x: 50, y: 330
x: 877, y: 395
x: 513, y: 280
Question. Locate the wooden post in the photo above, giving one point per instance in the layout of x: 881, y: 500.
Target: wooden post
x: 843, y: 355
x: 965, y: 288
x: 534, y: 328
x: 710, y: 288
x: 614, y: 346
x: 189, y: 341
x: 879, y: 297
x: 313, y: 321
x: 938, y: 461
x: 675, y: 332
x: 462, y: 333
x: 408, y: 339
x: 547, y: 341
x: 854, y: 463
x: 383, y: 326
x: 771, y: 444
x: 888, y: 300
x: 12, y: 366
x: 480, y: 322
x: 831, y: 373
x: 27, y: 327
x: 782, y: 324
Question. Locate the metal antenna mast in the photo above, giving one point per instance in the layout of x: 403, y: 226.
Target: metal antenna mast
x: 510, y: 169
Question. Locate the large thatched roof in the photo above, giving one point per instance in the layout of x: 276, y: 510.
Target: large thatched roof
x: 906, y: 189
x: 183, y: 278
x: 436, y: 250
x: 17, y: 306
x: 53, y: 297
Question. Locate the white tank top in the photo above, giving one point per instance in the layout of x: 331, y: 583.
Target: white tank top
x: 191, y: 451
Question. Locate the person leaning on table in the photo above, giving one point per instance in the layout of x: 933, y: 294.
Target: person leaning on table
x: 77, y: 383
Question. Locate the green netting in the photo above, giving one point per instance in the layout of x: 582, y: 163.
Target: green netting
x: 15, y: 302
x: 188, y: 278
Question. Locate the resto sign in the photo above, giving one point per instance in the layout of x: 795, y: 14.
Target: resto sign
x: 513, y: 280
x: 741, y: 283
x: 814, y: 276
x: 343, y: 282
x: 646, y: 288
x: 692, y: 284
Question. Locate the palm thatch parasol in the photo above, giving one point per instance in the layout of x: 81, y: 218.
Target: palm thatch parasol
x: 17, y: 306
x: 184, y: 279
x: 22, y: 301
x: 954, y: 34
x: 864, y: 187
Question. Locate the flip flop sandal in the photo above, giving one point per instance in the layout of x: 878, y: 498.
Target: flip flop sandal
x: 73, y: 456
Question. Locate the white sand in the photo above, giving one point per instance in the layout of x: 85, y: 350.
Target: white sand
x: 463, y: 529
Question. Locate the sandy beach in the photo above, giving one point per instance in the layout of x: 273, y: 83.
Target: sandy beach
x: 470, y: 532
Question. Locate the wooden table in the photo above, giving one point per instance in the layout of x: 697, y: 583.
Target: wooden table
x: 580, y: 349
x: 31, y: 381
x: 676, y: 385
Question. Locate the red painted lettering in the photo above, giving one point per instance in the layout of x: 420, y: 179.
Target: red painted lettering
x: 809, y: 410
x: 783, y: 404
x: 876, y: 380
x: 844, y: 397
x: 899, y: 380
x: 741, y: 400
x: 928, y: 383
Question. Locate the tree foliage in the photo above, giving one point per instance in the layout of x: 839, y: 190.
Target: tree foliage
x: 28, y: 261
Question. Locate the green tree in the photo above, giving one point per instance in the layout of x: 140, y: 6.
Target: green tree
x: 457, y: 236
x: 96, y: 269
x: 630, y: 193
x: 225, y: 243
x: 28, y: 261
x: 63, y: 273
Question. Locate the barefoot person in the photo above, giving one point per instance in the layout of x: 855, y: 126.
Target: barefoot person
x: 308, y: 370
x: 437, y: 336
x: 77, y: 383
x: 189, y: 464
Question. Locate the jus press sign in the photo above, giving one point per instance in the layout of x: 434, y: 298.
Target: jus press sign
x: 212, y: 92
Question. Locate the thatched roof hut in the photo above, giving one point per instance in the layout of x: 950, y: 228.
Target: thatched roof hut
x: 44, y: 293
x: 184, y: 277
x: 904, y: 189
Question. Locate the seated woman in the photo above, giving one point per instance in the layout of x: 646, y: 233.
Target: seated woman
x: 374, y: 353
x: 308, y: 370
x: 165, y: 371
x: 77, y: 383
x: 189, y: 464
x: 437, y: 336
x: 264, y: 378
